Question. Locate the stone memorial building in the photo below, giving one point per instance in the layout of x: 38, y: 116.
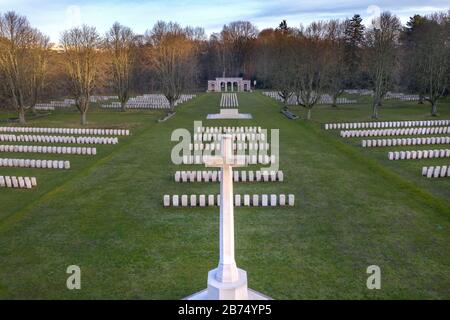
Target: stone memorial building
x: 229, y: 85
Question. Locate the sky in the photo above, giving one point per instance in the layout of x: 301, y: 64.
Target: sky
x: 52, y: 17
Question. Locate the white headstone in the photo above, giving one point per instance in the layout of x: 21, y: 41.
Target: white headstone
x: 291, y: 200
x: 193, y: 200
x: 202, y: 200
x: 210, y: 200
x: 166, y: 200
x: 184, y: 200
x: 273, y: 200
x: 256, y: 200
x: 246, y: 200
x: 175, y: 200
x: 264, y: 200
x: 237, y: 200
x: 282, y: 200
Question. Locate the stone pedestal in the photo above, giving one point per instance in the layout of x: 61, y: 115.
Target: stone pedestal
x: 227, y: 291
x: 237, y: 290
x: 229, y: 114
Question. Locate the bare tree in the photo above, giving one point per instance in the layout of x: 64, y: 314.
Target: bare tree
x: 39, y: 59
x: 172, y: 54
x: 282, y: 63
x: 336, y: 67
x: 381, y: 43
x: 81, y: 46
x: 120, y: 42
x: 263, y: 57
x: 310, y: 65
x: 22, y: 61
x: 275, y: 60
x: 431, y: 54
x: 221, y: 53
x: 237, y: 44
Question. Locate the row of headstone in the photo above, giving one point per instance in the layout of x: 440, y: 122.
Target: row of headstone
x: 250, y: 159
x: 388, y: 95
x: 229, y: 100
x: 386, y: 124
x: 404, y: 142
x: 436, y: 172
x: 229, y: 129
x: 247, y: 200
x: 238, y: 176
x: 149, y: 101
x: 401, y: 96
x: 31, y: 163
x: 361, y: 92
x: 323, y: 99
x: 102, y: 98
x: 66, y: 103
x: 49, y: 149
x: 236, y: 146
x: 17, y: 182
x: 58, y: 139
x: 50, y: 164
x: 137, y: 105
x: 115, y: 132
x: 394, y: 132
x: 44, y: 107
x: 235, y: 136
x: 419, y: 154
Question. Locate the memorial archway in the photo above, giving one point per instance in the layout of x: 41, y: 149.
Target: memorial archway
x: 229, y: 85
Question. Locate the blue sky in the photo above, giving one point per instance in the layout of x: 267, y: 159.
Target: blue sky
x: 52, y: 17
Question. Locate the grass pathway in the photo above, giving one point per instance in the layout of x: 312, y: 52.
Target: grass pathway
x: 353, y: 210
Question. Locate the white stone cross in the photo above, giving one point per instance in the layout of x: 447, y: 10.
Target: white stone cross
x: 227, y: 282
x: 227, y: 271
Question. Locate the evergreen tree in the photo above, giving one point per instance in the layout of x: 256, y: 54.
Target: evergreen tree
x: 409, y: 40
x: 412, y: 25
x: 354, y: 37
x: 283, y: 25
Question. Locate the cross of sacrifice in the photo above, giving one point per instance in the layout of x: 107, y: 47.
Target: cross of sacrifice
x: 227, y: 271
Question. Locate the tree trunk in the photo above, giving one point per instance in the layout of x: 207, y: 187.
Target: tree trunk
x: 334, y: 103
x: 22, y: 116
x: 434, y: 109
x: 172, y: 106
x: 421, y: 98
x: 375, y: 109
x: 308, y: 115
x: 123, y: 106
x: 83, y: 118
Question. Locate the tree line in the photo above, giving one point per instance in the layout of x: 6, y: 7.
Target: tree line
x: 303, y: 62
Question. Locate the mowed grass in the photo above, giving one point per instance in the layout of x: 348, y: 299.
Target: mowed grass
x: 354, y: 208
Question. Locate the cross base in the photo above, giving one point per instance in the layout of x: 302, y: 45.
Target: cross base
x: 237, y: 290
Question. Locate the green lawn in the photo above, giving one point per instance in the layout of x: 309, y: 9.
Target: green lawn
x: 354, y: 208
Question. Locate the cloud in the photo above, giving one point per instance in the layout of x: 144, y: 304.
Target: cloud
x: 73, y: 16
x: 52, y: 17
